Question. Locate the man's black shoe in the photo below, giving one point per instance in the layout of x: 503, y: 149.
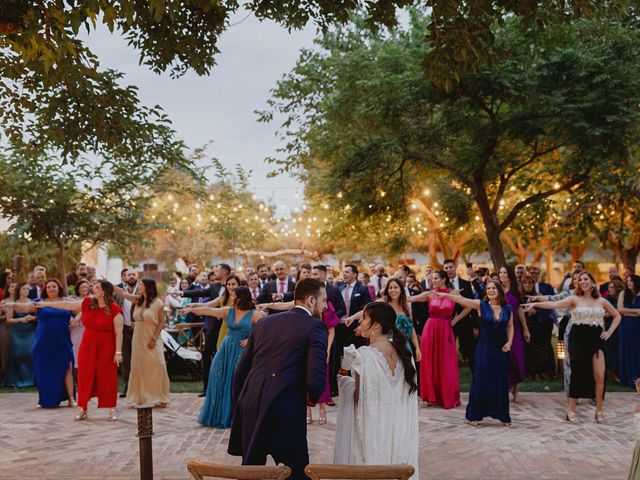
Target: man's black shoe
x: 123, y: 395
x: 202, y: 394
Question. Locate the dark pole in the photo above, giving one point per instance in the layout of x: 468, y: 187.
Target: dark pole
x: 145, y: 432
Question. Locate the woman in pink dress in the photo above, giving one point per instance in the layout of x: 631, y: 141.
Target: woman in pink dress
x: 439, y: 377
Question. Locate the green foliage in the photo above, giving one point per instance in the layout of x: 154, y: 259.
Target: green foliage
x: 64, y: 207
x: 363, y: 120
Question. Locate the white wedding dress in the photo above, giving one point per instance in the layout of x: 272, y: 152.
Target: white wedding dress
x: 382, y: 429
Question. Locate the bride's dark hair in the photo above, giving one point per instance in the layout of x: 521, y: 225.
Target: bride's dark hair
x: 385, y: 316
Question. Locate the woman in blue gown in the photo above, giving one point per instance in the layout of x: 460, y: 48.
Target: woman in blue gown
x: 52, y: 348
x: 489, y: 393
x: 23, y: 328
x: 216, y: 410
x: 629, y: 307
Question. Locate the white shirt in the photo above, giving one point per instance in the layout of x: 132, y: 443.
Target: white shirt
x: 126, y: 307
x: 303, y: 308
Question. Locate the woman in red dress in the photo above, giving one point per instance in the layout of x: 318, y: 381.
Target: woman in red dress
x: 100, y: 351
x: 439, y: 376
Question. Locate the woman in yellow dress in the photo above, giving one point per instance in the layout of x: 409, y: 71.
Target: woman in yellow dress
x: 148, y: 380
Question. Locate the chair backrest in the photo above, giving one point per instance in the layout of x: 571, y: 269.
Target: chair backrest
x: 359, y: 472
x: 199, y: 470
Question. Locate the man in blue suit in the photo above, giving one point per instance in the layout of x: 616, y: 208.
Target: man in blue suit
x: 541, y: 287
x: 285, y: 360
x: 356, y: 295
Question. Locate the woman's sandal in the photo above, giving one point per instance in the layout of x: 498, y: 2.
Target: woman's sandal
x: 599, y: 417
x: 572, y: 417
x: 81, y: 416
x: 112, y: 415
x: 322, y: 420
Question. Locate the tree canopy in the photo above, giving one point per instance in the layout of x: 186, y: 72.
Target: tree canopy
x: 363, y: 120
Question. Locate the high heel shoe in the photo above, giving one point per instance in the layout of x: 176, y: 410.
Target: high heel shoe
x: 322, y: 420
x: 112, y: 415
x: 81, y: 416
x: 572, y: 417
x: 309, y: 419
x: 72, y: 403
x: 599, y: 417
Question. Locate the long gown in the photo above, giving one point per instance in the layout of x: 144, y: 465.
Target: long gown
x: 331, y: 320
x: 383, y: 426
x: 539, y: 352
x: 20, y: 371
x: 223, y: 328
x: 584, y: 343
x: 148, y: 381
x: 52, y: 355
x: 517, y: 368
x: 216, y: 410
x: 439, y: 376
x: 405, y: 325
x: 97, y: 372
x: 489, y: 393
x: 629, y: 364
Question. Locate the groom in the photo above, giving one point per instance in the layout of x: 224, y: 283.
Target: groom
x: 285, y: 360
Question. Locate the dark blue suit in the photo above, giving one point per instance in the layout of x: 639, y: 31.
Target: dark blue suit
x: 545, y: 289
x: 283, y: 362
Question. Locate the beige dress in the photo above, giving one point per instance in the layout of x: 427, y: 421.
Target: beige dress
x: 148, y: 381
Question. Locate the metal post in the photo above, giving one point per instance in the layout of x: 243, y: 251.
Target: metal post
x: 145, y: 432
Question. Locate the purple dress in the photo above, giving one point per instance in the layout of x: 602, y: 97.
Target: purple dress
x: 517, y: 370
x: 330, y: 319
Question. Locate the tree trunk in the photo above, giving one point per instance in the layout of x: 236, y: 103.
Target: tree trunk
x: 548, y: 260
x: 629, y: 257
x: 61, y: 259
x: 491, y: 227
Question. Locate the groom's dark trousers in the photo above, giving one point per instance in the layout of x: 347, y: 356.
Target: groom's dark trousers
x: 283, y: 363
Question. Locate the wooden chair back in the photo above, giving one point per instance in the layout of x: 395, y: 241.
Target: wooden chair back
x: 199, y: 470
x: 359, y: 472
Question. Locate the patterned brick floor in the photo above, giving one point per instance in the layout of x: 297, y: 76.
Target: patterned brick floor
x: 46, y: 444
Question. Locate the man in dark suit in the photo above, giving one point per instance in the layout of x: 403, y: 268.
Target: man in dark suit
x: 129, y: 283
x: 281, y: 285
x: 356, y: 296
x: 40, y: 280
x: 283, y: 364
x: 333, y: 296
x: 464, y: 329
x: 541, y: 287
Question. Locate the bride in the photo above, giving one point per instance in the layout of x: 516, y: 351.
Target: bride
x: 378, y: 412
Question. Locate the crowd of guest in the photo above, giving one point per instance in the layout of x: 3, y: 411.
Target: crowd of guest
x: 66, y: 342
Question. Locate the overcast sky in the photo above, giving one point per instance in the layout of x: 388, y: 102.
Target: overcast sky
x: 220, y: 108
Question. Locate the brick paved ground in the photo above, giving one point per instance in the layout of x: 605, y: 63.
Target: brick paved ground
x: 46, y: 444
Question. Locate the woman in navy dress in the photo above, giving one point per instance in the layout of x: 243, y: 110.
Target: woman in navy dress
x: 52, y: 348
x: 629, y: 307
x: 23, y: 327
x: 239, y: 319
x: 489, y: 394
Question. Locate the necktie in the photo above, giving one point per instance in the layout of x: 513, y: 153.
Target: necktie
x: 347, y: 298
x: 379, y: 283
x: 281, y: 287
x: 253, y: 293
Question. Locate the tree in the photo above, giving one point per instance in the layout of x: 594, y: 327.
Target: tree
x: 54, y: 98
x: 609, y: 206
x: 197, y: 221
x: 362, y: 119
x: 68, y: 207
